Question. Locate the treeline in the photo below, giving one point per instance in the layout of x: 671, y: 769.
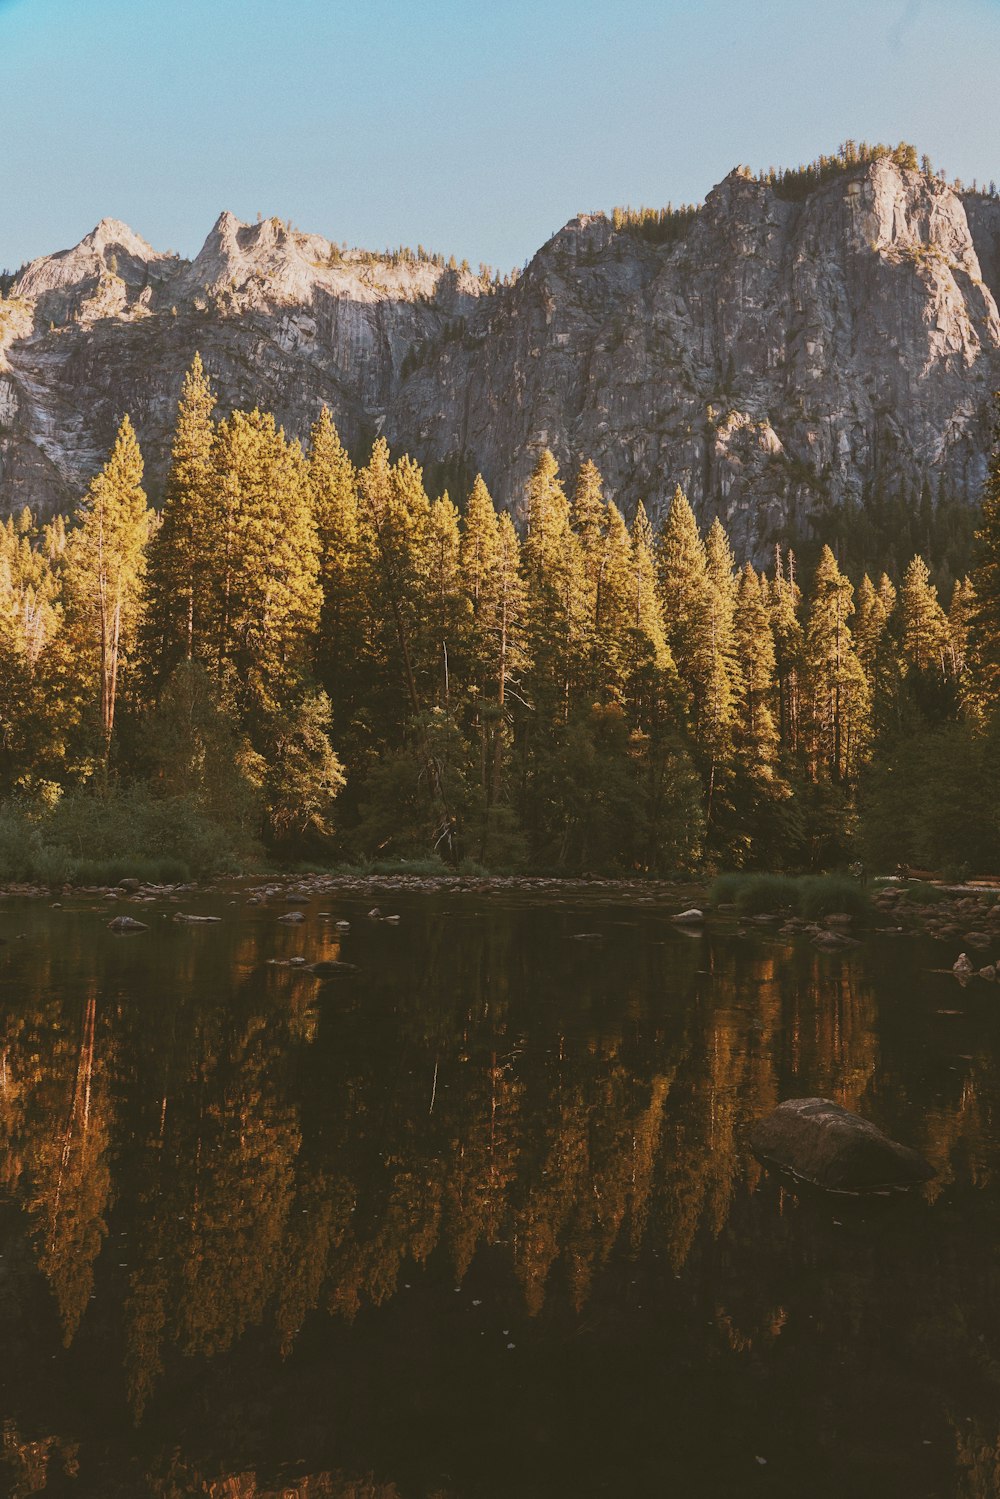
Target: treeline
x: 319, y: 658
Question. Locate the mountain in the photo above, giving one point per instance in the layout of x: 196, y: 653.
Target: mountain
x: 776, y: 353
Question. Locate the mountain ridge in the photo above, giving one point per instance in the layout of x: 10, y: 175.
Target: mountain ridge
x: 774, y: 356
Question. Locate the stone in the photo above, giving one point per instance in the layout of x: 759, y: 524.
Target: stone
x: 332, y: 968
x: 130, y: 884
x: 989, y: 973
x: 126, y: 924
x: 978, y: 939
x: 291, y: 918
x: 821, y: 1142
x: 833, y: 941
x: 962, y: 968
x: 187, y: 920
x: 693, y: 917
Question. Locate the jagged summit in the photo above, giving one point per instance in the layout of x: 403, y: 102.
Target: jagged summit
x: 111, y: 235
x: 799, y: 341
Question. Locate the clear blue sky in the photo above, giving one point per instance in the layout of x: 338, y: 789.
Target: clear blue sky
x: 475, y: 128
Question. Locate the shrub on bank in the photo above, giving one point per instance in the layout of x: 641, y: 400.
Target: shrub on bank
x: 102, y: 835
x: 811, y: 896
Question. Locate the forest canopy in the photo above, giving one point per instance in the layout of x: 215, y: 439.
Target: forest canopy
x: 306, y: 658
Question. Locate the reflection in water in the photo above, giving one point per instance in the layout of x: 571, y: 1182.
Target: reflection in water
x: 268, y: 1211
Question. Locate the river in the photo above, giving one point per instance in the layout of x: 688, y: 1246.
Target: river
x: 479, y: 1221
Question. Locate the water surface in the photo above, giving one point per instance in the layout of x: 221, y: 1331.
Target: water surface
x: 480, y: 1223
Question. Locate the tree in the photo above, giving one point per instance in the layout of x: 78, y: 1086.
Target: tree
x: 105, y: 568
x: 838, y: 701
x: 553, y: 569
x: 264, y: 599
x: 924, y: 627
x: 985, y: 579
x: 333, y: 489
x: 180, y: 551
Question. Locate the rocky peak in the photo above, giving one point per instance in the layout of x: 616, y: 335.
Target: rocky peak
x: 108, y: 270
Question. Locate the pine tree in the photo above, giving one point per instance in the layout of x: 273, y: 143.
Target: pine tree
x: 789, y: 650
x: 333, y: 487
x: 875, y: 644
x: 180, y: 550
x: 698, y: 594
x: 961, y: 613
x: 837, y: 693
x: 924, y: 628
x: 398, y: 546
x: 264, y: 601
x: 450, y: 608
x: 105, y: 569
x: 757, y: 735
x: 553, y: 569
x: 985, y: 580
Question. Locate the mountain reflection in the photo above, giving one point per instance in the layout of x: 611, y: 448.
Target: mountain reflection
x: 197, y: 1146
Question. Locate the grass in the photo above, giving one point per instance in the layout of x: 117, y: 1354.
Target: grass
x: 811, y: 896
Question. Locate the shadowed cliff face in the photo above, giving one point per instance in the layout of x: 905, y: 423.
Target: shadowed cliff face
x: 779, y: 358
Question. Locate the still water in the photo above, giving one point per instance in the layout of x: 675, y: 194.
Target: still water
x: 480, y: 1222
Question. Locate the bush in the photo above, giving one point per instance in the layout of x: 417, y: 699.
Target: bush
x: 812, y: 896
x: 755, y: 894
x: 820, y: 895
x: 102, y: 835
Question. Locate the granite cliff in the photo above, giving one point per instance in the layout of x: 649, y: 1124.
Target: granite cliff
x: 779, y: 356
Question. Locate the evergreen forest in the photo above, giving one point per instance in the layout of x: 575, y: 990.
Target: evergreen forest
x: 302, y: 659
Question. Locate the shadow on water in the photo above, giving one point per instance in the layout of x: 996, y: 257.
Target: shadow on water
x: 481, y: 1221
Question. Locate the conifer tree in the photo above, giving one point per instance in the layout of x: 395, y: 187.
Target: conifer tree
x: 588, y: 518
x: 395, y: 517
x: 333, y: 486
x: 757, y: 734
x: 180, y: 551
x: 105, y: 569
x: 923, y: 626
x: 875, y: 644
x: 450, y: 608
x: 698, y: 594
x: 837, y: 693
x: 479, y: 543
x: 789, y: 650
x: 553, y: 570
x: 985, y: 580
x: 652, y: 686
x: 961, y: 614
x: 686, y: 597
x: 265, y: 597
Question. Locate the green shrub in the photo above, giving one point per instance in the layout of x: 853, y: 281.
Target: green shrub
x: 755, y: 894
x: 811, y: 896
x: 102, y: 835
x: 821, y: 894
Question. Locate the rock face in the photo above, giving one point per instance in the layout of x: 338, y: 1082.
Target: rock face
x: 824, y: 1144
x: 778, y: 357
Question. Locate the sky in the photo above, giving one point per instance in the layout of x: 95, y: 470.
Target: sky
x: 476, y: 129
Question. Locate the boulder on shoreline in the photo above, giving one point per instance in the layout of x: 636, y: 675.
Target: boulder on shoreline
x: 821, y: 1142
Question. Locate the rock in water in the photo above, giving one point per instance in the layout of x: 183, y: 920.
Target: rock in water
x: 962, y: 968
x: 694, y: 917
x: 823, y: 1143
x: 127, y: 924
x: 332, y: 968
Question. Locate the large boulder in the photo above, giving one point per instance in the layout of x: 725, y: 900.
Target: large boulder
x: 820, y: 1142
